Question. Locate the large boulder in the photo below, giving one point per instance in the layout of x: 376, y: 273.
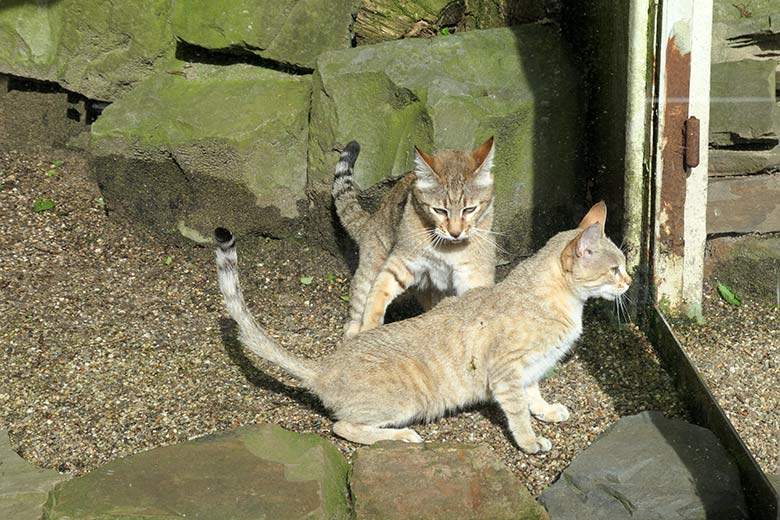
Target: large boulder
x: 99, y: 49
x: 207, y: 145
x: 454, y: 92
x: 648, y: 466
x: 23, y: 487
x: 744, y: 105
x: 437, y: 481
x: 292, y: 34
x: 256, y: 472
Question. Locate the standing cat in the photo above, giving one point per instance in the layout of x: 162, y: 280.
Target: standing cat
x: 431, y: 231
x: 492, y: 342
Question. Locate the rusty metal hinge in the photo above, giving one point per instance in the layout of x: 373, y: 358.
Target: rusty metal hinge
x: 691, y: 143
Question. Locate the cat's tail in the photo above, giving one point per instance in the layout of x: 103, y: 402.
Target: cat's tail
x: 250, y: 332
x: 345, y: 192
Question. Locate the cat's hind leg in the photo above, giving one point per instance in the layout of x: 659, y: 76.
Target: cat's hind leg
x: 366, y: 434
x: 541, y: 409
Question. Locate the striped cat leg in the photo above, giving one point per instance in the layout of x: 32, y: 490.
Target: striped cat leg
x: 541, y: 409
x: 509, y: 394
x: 360, y: 288
x: 365, y: 434
x: 393, y: 280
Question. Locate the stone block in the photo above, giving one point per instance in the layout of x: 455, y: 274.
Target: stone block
x: 743, y: 103
x: 252, y: 473
x: 291, y: 33
x: 98, y: 49
x: 206, y: 145
x: 437, y: 481
x: 747, y: 204
x: 723, y: 161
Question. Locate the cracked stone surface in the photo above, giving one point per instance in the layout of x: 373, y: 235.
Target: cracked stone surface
x: 648, y: 466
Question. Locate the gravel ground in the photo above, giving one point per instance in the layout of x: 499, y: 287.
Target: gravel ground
x: 114, y: 342
x: 737, y: 351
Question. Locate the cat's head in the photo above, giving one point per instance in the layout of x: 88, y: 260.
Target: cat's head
x: 454, y: 189
x: 596, y: 266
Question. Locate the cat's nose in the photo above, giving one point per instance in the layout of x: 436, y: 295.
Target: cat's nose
x: 627, y: 280
x: 456, y: 234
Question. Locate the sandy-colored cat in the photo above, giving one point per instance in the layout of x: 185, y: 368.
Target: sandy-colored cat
x: 491, y: 343
x: 431, y: 231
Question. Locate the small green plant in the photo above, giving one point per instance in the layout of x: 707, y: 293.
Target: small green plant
x: 445, y: 31
x: 100, y: 202
x: 43, y: 205
x: 168, y: 260
x: 729, y: 295
x: 52, y: 173
x: 306, y: 280
x: 57, y: 163
x: 330, y: 277
x: 345, y: 297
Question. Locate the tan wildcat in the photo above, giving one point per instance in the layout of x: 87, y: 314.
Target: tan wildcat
x: 493, y: 342
x: 431, y: 231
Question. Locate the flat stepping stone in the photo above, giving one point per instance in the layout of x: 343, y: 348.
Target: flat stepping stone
x: 392, y: 480
x: 648, y: 466
x: 255, y: 472
x: 23, y: 486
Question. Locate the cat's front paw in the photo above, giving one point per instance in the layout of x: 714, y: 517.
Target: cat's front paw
x: 556, y: 412
x: 533, y: 445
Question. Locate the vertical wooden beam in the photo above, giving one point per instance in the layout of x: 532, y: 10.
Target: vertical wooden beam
x: 680, y: 190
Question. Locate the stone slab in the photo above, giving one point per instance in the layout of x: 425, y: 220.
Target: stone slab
x: 211, y: 146
x: 743, y: 104
x: 23, y: 486
x: 253, y: 473
x: 437, y: 481
x: 648, y: 466
x: 724, y: 162
x: 748, y: 204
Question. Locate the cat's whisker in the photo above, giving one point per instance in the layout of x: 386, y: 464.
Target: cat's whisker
x: 491, y: 241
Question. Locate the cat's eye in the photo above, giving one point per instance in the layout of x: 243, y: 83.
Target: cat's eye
x: 470, y: 209
x: 615, y: 270
x: 440, y: 211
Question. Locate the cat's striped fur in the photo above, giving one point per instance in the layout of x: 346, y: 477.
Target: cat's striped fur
x: 493, y: 342
x: 431, y: 231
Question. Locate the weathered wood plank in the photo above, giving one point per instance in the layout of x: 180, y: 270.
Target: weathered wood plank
x: 743, y: 204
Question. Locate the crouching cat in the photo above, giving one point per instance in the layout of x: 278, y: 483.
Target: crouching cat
x: 431, y: 231
x: 492, y: 342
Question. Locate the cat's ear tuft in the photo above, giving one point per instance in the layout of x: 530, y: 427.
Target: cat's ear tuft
x: 423, y: 169
x: 588, y: 239
x: 483, y: 156
x: 596, y: 215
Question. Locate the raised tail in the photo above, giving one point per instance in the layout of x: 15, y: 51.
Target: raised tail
x: 345, y: 193
x: 250, y: 333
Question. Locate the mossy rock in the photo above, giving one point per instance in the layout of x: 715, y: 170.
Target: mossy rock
x: 198, y: 146
x: 255, y: 472
x: 99, y: 49
x: 293, y: 33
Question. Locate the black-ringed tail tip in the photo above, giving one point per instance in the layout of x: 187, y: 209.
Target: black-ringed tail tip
x: 223, y: 237
x: 351, y: 151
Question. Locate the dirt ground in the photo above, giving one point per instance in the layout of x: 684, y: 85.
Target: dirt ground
x: 114, y: 341
x: 737, y: 351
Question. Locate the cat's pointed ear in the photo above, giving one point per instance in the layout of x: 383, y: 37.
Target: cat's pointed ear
x: 596, y: 215
x: 483, y: 156
x: 587, y: 239
x: 423, y: 169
